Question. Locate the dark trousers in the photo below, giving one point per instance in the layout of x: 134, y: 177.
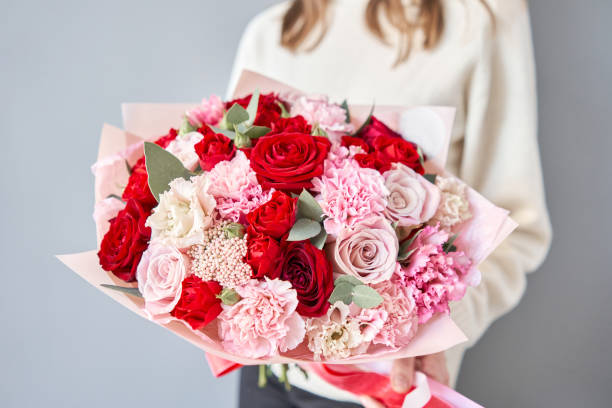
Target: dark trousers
x: 274, y: 394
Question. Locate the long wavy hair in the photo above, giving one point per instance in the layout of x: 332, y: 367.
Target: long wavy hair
x: 303, y: 16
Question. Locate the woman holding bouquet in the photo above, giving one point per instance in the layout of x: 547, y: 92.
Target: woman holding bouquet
x: 473, y: 55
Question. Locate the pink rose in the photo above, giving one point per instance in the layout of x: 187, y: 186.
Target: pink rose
x: 264, y: 321
x: 160, y: 276
x: 412, y: 199
x: 104, y: 211
x: 368, y: 251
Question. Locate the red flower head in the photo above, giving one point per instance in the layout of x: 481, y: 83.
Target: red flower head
x: 125, y: 241
x: 263, y: 254
x: 274, y: 218
x: 348, y: 141
x: 213, y: 148
x: 198, y: 304
x: 289, y: 161
x: 376, y: 129
x: 267, y: 111
x: 296, y: 124
x: 310, y: 274
x: 393, y: 150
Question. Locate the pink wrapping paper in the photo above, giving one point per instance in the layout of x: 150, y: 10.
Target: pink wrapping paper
x: 148, y: 121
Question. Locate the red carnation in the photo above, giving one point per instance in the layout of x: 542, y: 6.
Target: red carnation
x: 289, y: 161
x: 198, y: 304
x: 267, y: 110
x: 125, y: 241
x: 213, y: 148
x: 295, y: 124
x: 263, y: 255
x: 275, y: 217
x: 310, y: 274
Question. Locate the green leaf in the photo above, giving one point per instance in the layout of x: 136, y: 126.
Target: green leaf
x: 319, y: 240
x: 403, y: 252
x: 255, y: 132
x: 234, y: 230
x: 228, y: 133
x: 128, y: 167
x: 236, y: 114
x: 431, y: 178
x: 241, y: 139
x: 252, y: 108
x: 421, y: 156
x: 366, y: 122
x: 162, y: 168
x: 229, y: 297
x: 403, y: 257
x: 448, y: 245
x: 343, y: 292
x: 130, y: 291
x: 186, y: 127
x: 345, y: 106
x: 308, y: 207
x: 350, y: 279
x: 304, y: 229
x: 366, y: 297
x: 317, y: 131
x: 284, y: 112
x: 115, y: 196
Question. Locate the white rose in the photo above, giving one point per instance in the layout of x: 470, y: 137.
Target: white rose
x: 183, y: 214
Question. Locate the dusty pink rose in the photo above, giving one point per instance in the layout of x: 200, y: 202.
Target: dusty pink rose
x: 368, y: 251
x: 160, y: 275
x: 104, y: 211
x: 264, y: 321
x: 209, y: 112
x: 412, y: 199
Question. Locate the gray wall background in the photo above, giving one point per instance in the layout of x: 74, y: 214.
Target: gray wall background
x: 65, y: 66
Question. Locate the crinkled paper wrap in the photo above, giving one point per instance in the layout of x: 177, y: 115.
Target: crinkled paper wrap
x: 489, y: 226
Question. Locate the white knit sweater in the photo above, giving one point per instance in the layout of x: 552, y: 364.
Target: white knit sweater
x: 483, y: 69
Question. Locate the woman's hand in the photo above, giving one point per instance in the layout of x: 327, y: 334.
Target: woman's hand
x: 433, y: 365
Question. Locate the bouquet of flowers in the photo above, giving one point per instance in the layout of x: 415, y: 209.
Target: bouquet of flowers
x: 283, y: 227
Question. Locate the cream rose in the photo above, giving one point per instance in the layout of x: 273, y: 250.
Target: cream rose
x: 160, y: 275
x: 412, y: 199
x: 183, y: 213
x: 367, y: 251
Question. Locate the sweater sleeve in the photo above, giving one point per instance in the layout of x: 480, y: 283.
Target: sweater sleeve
x: 501, y: 160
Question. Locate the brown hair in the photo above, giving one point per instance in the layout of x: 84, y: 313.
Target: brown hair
x: 304, y: 15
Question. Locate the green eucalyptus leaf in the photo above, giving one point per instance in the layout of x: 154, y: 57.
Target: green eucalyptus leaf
x: 229, y: 297
x: 162, y: 168
x: 366, y: 122
x: 225, y: 132
x: 236, y: 114
x: 350, y: 279
x: 448, y: 245
x: 304, y: 229
x: 186, y: 127
x: 252, y: 108
x: 431, y: 178
x: 242, y: 140
x: 345, y: 106
x: 308, y: 207
x: 284, y: 112
x: 343, y: 293
x: 129, y: 291
x: 365, y: 297
x: 403, y: 249
x: 319, y: 240
x: 255, y: 132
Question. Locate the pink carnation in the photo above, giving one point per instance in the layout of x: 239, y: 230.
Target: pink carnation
x: 317, y: 110
x: 435, y: 276
x: 349, y: 194
x: 234, y: 186
x: 264, y: 321
x: 209, y: 112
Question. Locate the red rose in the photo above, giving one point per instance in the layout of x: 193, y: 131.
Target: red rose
x: 310, y: 274
x: 376, y: 129
x: 348, y: 141
x: 263, y: 254
x: 289, y: 161
x: 275, y: 217
x: 213, y: 148
x: 295, y: 124
x: 393, y: 150
x: 125, y: 241
x: 138, y: 186
x: 267, y: 110
x: 198, y: 304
